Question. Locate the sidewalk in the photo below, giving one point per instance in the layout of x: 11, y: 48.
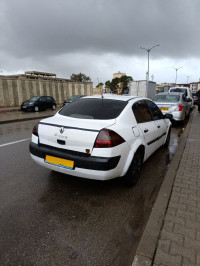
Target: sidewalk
x: 10, y: 115
x: 172, y: 234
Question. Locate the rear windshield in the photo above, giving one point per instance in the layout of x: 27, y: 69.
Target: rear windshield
x: 102, y: 109
x: 178, y: 90
x: 166, y: 98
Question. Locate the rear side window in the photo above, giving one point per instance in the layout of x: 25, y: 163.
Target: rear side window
x: 141, y: 112
x: 49, y: 99
x: 101, y: 109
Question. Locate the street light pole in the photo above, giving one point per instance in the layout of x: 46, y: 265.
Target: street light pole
x: 148, y: 51
x: 187, y: 78
x: 176, y: 73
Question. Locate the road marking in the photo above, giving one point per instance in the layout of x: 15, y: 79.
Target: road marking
x: 14, y: 142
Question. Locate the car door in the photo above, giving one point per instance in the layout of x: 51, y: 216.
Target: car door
x: 146, y: 125
x: 161, y: 124
x: 43, y: 103
x: 49, y: 102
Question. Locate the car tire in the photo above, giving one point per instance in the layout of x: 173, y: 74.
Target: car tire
x: 132, y: 175
x: 166, y: 144
x: 36, y: 108
x: 53, y: 107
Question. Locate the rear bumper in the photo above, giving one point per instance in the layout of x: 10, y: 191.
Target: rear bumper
x: 81, y: 161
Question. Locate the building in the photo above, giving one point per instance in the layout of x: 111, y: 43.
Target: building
x: 14, y: 89
x: 195, y: 86
x: 164, y: 87
x: 118, y: 75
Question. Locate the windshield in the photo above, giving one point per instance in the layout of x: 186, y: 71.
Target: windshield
x: 86, y: 108
x: 166, y: 98
x: 33, y: 99
x: 74, y: 97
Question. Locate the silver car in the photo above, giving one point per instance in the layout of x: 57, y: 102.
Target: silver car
x: 173, y: 103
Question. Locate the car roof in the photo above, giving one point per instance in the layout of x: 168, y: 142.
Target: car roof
x: 171, y: 93
x: 113, y: 97
x: 180, y: 88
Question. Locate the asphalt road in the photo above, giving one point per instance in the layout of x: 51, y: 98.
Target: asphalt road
x: 48, y: 218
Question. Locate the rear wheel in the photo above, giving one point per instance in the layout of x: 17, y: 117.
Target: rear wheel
x: 53, y: 107
x: 132, y: 175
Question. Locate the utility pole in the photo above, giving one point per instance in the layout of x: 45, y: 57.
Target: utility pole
x: 176, y: 73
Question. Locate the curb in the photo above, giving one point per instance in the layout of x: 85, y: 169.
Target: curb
x: 147, y: 246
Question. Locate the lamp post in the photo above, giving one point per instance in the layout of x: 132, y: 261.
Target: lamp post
x: 187, y: 78
x: 148, y: 51
x: 176, y: 72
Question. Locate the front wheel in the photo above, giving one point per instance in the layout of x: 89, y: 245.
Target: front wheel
x: 36, y: 108
x: 132, y: 175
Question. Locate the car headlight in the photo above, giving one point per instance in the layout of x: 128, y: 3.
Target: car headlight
x: 31, y: 103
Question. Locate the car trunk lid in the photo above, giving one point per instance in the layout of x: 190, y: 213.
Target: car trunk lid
x: 71, y: 133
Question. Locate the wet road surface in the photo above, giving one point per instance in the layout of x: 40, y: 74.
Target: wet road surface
x: 55, y: 219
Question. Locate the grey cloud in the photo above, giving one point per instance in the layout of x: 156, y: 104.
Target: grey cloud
x: 42, y: 28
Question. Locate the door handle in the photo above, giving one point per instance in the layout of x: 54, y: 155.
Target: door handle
x: 158, y: 126
x: 146, y: 130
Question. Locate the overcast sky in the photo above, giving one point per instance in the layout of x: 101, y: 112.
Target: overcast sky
x: 101, y: 37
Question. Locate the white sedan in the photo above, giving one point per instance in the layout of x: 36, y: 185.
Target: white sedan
x: 101, y: 137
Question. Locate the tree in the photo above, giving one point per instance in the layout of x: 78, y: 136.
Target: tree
x: 119, y: 83
x: 107, y: 83
x: 100, y: 84
x: 114, y: 85
x: 125, y: 80
x: 80, y: 77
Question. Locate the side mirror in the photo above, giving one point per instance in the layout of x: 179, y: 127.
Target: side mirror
x: 168, y: 116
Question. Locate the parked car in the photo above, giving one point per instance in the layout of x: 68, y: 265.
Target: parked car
x: 194, y: 96
x: 185, y: 90
x: 101, y: 137
x: 37, y: 103
x: 174, y: 103
x: 72, y: 98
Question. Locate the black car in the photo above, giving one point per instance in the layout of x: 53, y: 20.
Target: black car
x: 37, y: 103
x: 72, y: 98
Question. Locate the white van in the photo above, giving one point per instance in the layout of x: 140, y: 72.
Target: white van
x: 185, y: 90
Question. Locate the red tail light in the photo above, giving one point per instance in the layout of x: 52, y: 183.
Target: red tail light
x: 35, y: 130
x: 179, y: 108
x: 108, y: 138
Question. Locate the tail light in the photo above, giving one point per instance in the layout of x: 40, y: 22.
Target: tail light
x: 35, y: 130
x: 107, y: 139
x: 179, y: 108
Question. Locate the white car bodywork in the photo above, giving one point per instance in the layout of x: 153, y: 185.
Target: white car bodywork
x: 73, y: 139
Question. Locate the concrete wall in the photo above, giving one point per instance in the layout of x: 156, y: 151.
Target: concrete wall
x: 13, y: 91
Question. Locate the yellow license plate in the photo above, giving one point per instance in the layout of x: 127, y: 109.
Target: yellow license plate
x: 59, y: 162
x: 164, y: 108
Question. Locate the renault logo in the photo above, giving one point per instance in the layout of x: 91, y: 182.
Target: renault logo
x: 62, y: 130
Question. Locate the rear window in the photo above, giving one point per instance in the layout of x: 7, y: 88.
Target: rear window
x: 166, y: 98
x: 179, y: 90
x: 101, y: 109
